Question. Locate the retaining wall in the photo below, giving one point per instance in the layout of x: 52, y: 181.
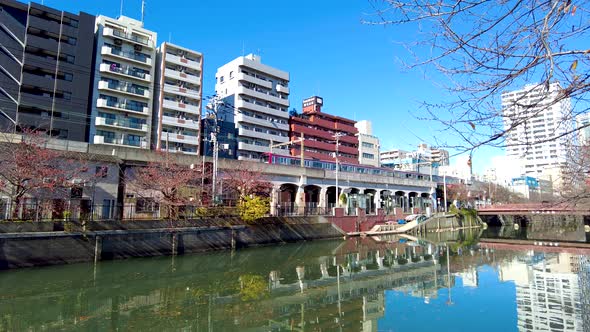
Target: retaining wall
x: 37, y: 249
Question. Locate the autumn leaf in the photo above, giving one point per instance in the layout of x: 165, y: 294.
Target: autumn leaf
x: 472, y: 125
x: 574, y: 65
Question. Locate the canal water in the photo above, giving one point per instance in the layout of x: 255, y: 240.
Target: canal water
x: 361, y: 284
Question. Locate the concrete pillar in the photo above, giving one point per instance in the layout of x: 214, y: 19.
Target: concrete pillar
x: 300, y: 199
x: 407, y: 202
x: 274, y: 279
x: 274, y: 200
x: 377, y: 200
x: 379, y: 260
x: 300, y: 275
x: 324, y: 270
x: 323, y: 199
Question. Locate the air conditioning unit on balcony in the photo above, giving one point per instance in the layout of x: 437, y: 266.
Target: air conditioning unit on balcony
x: 118, y: 41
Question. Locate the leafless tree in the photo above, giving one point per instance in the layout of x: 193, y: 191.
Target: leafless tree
x: 167, y: 183
x: 482, y: 48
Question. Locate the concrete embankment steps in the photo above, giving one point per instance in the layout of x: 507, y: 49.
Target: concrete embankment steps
x: 437, y: 222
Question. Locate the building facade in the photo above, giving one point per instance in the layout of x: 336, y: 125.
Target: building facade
x: 537, y: 127
x: 45, y: 69
x: 124, y: 83
x: 257, y: 96
x: 319, y: 130
x: 532, y: 188
x: 177, y: 104
x: 368, y: 144
x: 423, y: 160
x: 583, y: 126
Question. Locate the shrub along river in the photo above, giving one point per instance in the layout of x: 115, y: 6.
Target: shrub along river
x: 386, y: 283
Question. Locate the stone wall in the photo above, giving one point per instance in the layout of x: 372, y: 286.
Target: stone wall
x: 37, y: 249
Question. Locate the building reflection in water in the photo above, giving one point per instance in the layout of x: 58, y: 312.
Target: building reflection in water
x: 317, y: 286
x: 551, y: 290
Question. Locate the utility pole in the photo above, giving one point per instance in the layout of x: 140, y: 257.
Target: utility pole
x: 299, y: 140
x: 445, y: 189
x: 213, y: 108
x: 337, y: 136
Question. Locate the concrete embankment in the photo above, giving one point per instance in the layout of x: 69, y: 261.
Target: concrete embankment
x: 108, y: 240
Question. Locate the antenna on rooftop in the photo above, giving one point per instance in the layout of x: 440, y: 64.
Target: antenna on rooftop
x: 170, y: 37
x: 121, y: 11
x: 142, y: 10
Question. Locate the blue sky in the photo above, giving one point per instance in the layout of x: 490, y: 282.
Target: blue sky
x: 324, y: 46
x: 489, y: 307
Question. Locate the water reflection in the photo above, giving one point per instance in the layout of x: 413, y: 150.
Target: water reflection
x: 387, y: 283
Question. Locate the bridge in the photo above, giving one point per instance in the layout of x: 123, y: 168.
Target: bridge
x: 533, y: 208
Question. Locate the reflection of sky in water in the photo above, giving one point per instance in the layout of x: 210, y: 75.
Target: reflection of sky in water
x: 489, y: 307
x: 382, y: 287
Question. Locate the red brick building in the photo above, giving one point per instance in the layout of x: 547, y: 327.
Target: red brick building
x: 319, y: 129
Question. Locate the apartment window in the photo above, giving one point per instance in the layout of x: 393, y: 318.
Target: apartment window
x: 368, y: 156
x: 145, y: 205
x: 368, y: 145
x: 101, y: 171
x: 231, y: 75
x: 221, y: 79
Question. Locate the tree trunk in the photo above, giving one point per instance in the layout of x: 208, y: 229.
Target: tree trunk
x: 16, y: 205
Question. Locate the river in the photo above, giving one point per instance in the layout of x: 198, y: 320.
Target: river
x: 359, y: 284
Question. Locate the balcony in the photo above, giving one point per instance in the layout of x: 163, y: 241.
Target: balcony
x: 181, y: 150
x: 253, y: 147
x: 125, y: 71
x: 282, y: 89
x: 119, y: 140
x: 179, y: 106
x: 128, y: 56
x: 177, y: 90
x: 183, y: 62
x: 346, y: 128
x: 130, y: 37
x: 252, y: 79
x: 182, y: 76
x: 179, y: 138
x: 120, y: 123
x: 263, y: 95
x: 177, y: 122
x: 123, y: 106
x: 124, y: 88
x: 262, y: 122
x: 262, y: 109
x: 265, y: 136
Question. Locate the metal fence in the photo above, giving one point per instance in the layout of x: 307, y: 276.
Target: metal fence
x: 84, y: 211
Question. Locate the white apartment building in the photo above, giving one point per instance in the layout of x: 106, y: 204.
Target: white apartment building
x: 124, y: 83
x: 259, y: 97
x: 368, y: 144
x: 583, y: 126
x: 177, y: 105
x: 548, y: 293
x: 542, y: 119
x: 420, y: 160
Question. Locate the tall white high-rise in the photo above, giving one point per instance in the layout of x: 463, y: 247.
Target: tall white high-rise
x: 123, y: 84
x: 538, y: 127
x: 256, y: 99
x: 177, y: 106
x: 583, y: 126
